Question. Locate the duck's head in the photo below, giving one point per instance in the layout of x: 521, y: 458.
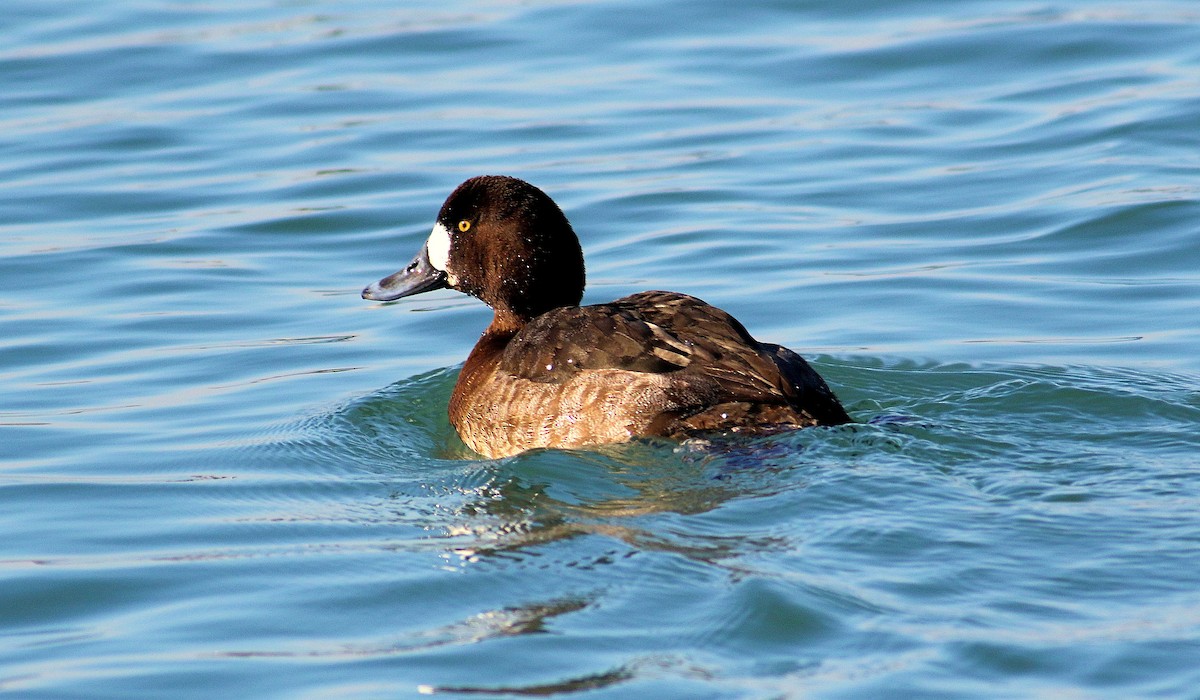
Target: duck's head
x: 501, y: 240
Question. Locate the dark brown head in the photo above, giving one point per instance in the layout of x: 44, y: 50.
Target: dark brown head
x: 501, y: 240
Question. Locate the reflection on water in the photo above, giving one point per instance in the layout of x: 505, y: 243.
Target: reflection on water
x: 572, y: 685
x: 488, y: 625
x: 551, y: 495
x: 500, y: 508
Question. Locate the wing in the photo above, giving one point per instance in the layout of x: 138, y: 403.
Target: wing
x: 651, y: 332
x: 744, y: 370
x: 723, y: 351
x: 705, y: 355
x: 567, y: 340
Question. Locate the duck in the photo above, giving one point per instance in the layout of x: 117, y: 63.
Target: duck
x: 549, y: 373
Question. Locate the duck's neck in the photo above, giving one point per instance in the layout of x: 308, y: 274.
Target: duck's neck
x: 505, y: 324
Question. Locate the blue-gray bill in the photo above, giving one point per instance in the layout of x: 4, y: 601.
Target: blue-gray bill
x: 418, y: 276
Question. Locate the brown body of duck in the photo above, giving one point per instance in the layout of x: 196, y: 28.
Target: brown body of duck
x: 550, y: 373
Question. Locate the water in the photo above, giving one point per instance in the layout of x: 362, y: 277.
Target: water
x: 222, y: 473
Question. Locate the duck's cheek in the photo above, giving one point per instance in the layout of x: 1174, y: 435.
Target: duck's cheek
x: 439, y: 248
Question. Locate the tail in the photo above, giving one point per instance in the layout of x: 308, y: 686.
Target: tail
x: 809, y: 392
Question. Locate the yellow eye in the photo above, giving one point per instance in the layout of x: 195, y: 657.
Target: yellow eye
x: 464, y: 225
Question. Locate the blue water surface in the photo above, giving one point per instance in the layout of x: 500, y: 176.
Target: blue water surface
x: 224, y: 474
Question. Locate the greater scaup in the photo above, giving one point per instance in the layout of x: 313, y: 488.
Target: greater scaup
x: 550, y: 373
